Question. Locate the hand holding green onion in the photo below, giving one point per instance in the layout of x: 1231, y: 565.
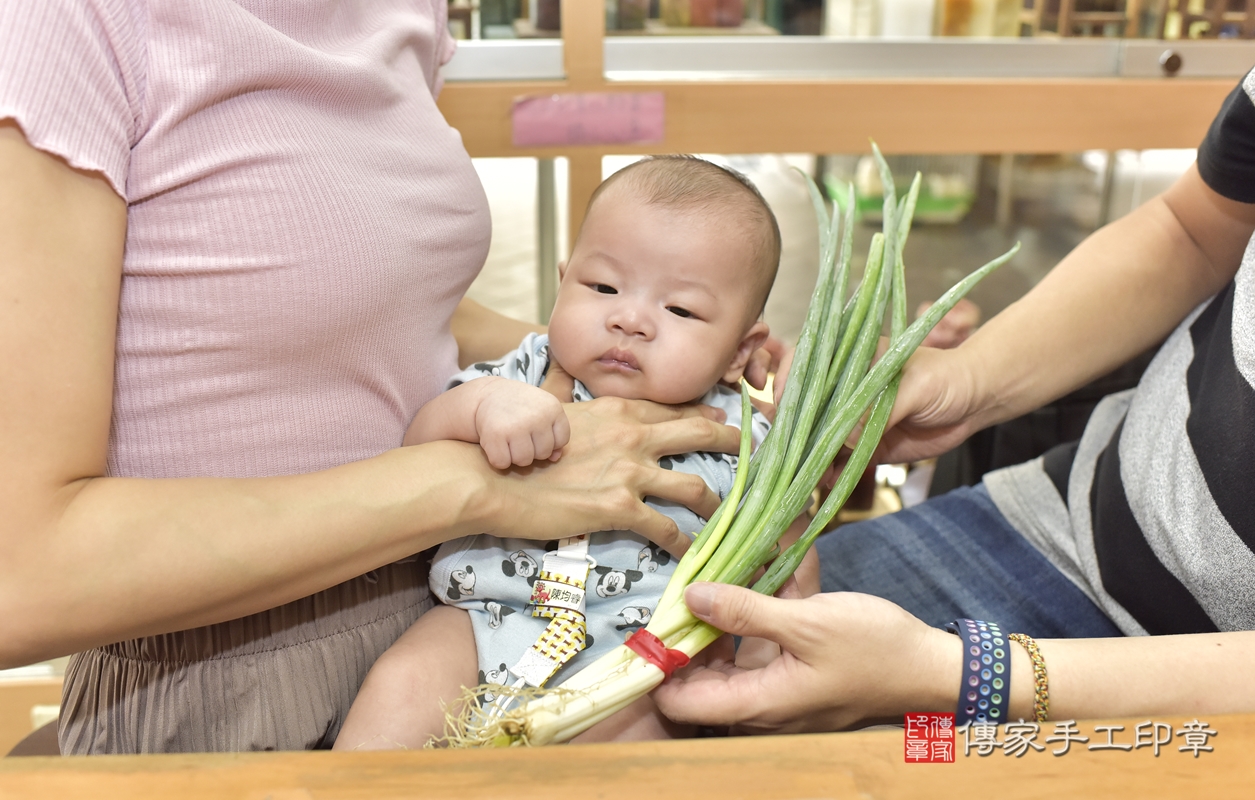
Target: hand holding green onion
x: 847, y: 659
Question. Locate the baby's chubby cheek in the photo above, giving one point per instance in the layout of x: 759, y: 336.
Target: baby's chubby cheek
x: 560, y: 349
x: 575, y: 356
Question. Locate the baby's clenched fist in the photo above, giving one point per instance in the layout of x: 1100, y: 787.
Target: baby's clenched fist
x: 518, y: 424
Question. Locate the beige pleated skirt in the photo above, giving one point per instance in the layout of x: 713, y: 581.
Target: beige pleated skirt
x: 279, y: 680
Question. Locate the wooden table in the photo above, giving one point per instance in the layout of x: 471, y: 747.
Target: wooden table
x: 847, y: 765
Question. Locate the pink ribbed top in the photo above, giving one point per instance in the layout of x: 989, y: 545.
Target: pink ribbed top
x: 301, y: 224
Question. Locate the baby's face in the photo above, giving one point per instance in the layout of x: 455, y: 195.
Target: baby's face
x: 655, y: 303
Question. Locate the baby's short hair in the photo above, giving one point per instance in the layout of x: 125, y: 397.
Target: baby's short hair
x: 689, y: 183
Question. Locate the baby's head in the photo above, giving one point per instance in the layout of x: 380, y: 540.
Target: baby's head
x: 663, y: 293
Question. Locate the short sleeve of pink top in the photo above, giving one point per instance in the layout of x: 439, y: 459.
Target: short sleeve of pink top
x: 301, y: 224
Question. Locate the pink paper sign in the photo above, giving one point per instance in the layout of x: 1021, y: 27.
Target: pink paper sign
x: 589, y: 118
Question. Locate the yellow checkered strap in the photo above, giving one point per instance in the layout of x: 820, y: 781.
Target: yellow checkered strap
x: 557, y: 594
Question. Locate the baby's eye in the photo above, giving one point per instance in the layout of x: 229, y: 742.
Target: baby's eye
x: 680, y: 312
x: 604, y: 289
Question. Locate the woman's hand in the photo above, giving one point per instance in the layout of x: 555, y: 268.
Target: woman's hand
x: 609, y: 465
x: 558, y: 382
x: 955, y: 328
x: 774, y: 357
x: 847, y: 659
x: 935, y: 410
x: 936, y: 400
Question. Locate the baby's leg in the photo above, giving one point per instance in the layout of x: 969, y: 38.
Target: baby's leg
x: 639, y: 722
x: 399, y: 704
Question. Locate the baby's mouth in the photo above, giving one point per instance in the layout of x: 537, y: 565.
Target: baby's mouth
x: 619, y: 359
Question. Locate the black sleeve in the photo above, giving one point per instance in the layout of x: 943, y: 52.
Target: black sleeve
x: 1226, y: 158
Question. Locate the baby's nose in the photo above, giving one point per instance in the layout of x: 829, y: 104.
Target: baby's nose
x: 632, y: 320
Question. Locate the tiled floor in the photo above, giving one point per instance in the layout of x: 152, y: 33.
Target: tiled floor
x: 1055, y: 205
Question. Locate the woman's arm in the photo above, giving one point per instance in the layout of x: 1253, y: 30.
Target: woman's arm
x: 86, y: 560
x: 1118, y: 293
x: 483, y: 334
x: 852, y: 659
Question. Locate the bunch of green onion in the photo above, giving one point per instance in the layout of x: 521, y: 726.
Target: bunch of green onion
x: 831, y: 386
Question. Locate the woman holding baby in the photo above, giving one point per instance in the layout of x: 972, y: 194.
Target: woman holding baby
x: 236, y: 239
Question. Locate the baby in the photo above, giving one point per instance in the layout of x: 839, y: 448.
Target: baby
x: 661, y: 300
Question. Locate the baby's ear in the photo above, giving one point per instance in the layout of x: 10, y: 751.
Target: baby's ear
x: 751, y: 341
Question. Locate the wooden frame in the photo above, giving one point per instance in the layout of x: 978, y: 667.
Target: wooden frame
x: 833, y: 116
x: 1069, y: 17
x: 1216, y: 15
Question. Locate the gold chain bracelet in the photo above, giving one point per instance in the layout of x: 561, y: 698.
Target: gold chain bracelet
x: 1041, y: 687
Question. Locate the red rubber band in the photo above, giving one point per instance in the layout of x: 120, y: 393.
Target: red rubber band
x: 651, y: 648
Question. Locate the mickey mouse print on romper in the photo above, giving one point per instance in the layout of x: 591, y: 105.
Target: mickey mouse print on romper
x: 461, y: 583
x: 651, y: 558
x: 521, y: 564
x: 634, y: 617
x: 497, y: 676
x: 627, y: 574
x: 615, y: 582
x: 496, y: 612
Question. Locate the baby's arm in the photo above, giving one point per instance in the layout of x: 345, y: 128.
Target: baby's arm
x: 513, y: 422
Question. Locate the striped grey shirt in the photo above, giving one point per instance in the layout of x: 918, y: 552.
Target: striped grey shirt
x: 1151, y: 513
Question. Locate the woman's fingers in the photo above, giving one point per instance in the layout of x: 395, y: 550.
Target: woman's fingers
x: 660, y: 530
x: 666, y: 430
x: 744, y: 612
x: 688, y: 490
x: 718, y: 697
x: 758, y: 368
x: 782, y: 376
x: 768, y: 410
x: 789, y: 590
x: 689, y: 434
x: 728, y: 694
x: 651, y: 413
x: 557, y: 382
x: 610, y: 449
x: 846, y: 658
x: 934, y: 407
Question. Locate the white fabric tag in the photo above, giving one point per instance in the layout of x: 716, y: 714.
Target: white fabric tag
x: 534, y: 668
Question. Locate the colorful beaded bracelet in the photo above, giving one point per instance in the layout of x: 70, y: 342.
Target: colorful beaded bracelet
x: 986, y: 689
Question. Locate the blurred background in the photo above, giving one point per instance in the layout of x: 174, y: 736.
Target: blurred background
x: 1162, y: 19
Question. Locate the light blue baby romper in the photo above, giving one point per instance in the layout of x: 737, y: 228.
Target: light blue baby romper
x: 492, y: 577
